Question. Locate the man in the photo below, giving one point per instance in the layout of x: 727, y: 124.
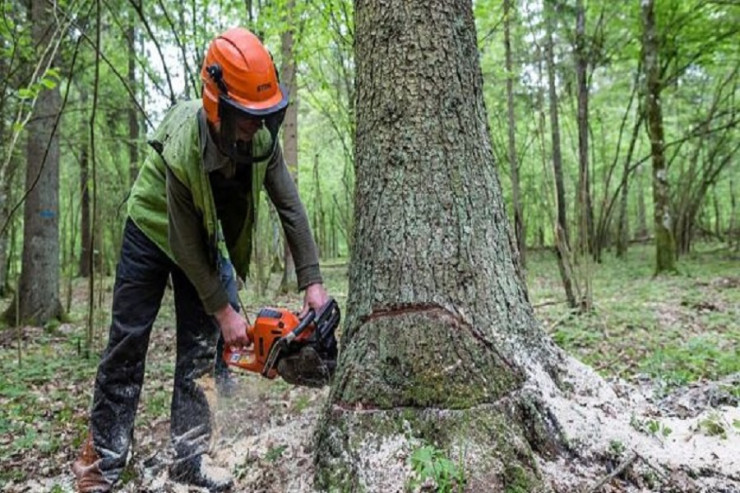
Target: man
x: 191, y: 215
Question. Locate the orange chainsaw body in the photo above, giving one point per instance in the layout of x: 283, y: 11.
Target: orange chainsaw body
x: 271, y: 325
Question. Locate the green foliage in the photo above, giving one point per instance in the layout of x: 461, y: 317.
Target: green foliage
x: 430, y: 463
x: 701, y: 357
x: 650, y: 427
x: 274, y: 453
x: 616, y: 447
x: 686, y: 324
x: 714, y: 426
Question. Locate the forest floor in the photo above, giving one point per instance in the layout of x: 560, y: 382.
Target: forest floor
x: 666, y: 335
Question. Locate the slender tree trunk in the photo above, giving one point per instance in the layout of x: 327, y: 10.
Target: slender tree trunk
x: 642, y: 232
x: 433, y: 344
x: 732, y: 234
x: 290, y: 136
x: 39, y: 283
x: 717, y: 215
x: 585, y: 219
x: 623, y: 222
x: 5, y: 188
x: 584, y: 185
x: 509, y: 13
x: 319, y: 226
x: 665, y: 245
x: 133, y: 115
x: 4, y: 210
x: 85, y: 219
x: 562, y: 238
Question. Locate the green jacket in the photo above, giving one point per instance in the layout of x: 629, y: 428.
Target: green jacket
x: 178, y: 164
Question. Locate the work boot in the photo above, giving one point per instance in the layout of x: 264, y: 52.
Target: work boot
x: 200, y: 471
x: 86, y: 469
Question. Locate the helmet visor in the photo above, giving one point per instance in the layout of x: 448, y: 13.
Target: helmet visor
x: 240, y: 124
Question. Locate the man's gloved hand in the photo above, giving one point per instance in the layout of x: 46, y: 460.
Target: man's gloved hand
x: 233, y: 327
x: 315, y: 298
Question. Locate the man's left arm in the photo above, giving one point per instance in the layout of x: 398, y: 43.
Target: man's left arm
x: 284, y: 194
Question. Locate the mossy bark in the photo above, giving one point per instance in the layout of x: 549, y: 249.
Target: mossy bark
x: 440, y: 344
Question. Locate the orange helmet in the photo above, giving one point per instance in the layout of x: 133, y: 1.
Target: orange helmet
x: 238, y: 66
x: 240, y: 81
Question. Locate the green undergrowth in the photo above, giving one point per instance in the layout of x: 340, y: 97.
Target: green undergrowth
x: 676, y: 329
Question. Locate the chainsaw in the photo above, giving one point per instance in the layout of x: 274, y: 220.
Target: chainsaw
x: 303, y: 351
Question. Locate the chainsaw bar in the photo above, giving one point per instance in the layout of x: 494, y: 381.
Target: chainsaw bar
x: 325, y: 324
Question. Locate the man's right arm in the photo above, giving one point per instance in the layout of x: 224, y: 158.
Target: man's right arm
x: 189, y: 244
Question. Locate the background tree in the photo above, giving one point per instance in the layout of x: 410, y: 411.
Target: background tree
x: 562, y: 229
x: 521, y: 235
x: 290, y: 131
x: 38, y: 291
x: 665, y: 246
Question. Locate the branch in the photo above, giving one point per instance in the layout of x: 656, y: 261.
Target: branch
x: 48, y: 145
x: 110, y: 65
x: 188, y: 72
x: 137, y: 8
x: 616, y: 472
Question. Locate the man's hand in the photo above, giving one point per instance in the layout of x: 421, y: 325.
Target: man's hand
x: 315, y: 298
x: 233, y: 327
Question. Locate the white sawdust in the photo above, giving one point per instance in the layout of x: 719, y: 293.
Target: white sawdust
x: 595, y: 416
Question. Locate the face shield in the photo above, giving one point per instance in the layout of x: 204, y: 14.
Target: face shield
x: 240, y: 124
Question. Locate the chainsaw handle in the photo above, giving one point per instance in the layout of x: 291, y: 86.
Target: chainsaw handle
x: 305, y: 322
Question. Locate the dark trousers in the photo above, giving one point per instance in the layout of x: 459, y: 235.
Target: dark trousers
x: 141, y: 278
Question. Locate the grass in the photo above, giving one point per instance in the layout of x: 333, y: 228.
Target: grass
x: 677, y: 329
x: 674, y: 329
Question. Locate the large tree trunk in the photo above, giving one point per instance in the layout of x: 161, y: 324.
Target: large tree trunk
x: 39, y: 284
x: 290, y: 137
x: 509, y: 13
x: 438, y: 327
x: 440, y: 346
x: 665, y: 245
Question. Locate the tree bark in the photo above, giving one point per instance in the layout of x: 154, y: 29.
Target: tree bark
x: 623, y: 221
x: 39, y: 283
x: 585, y: 216
x: 642, y: 232
x: 85, y: 219
x: 439, y: 330
x: 290, y: 136
x: 562, y: 237
x: 732, y: 234
x: 520, y: 232
x: 665, y: 245
x: 319, y: 216
x: 133, y: 115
